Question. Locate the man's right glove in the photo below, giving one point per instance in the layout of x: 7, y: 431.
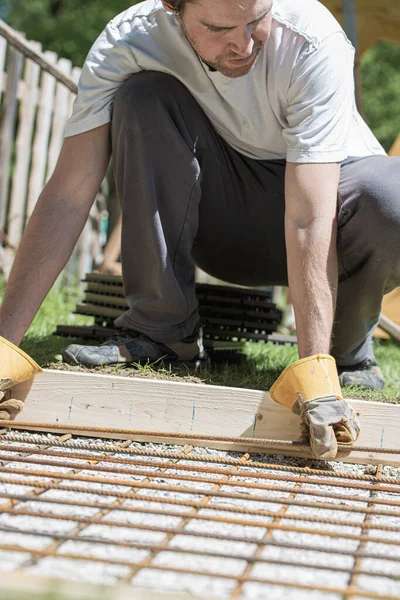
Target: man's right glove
x: 311, y: 388
x: 15, y: 367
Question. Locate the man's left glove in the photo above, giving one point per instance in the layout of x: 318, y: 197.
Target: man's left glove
x: 15, y: 367
x: 310, y: 388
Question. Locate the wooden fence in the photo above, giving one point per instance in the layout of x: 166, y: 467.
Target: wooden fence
x: 36, y: 95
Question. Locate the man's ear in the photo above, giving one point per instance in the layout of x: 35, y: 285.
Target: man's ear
x: 168, y: 7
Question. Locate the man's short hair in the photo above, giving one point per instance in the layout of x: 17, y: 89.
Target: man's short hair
x: 178, y: 6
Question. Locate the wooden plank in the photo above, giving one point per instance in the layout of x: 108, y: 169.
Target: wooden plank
x: 88, y: 400
x: 391, y: 305
x: 76, y: 73
x: 42, y: 134
x: 27, y: 113
x: 375, y: 20
x: 84, y: 245
x: 395, y: 149
x: 390, y: 327
x: 112, y: 251
x: 390, y: 310
x: 7, y: 128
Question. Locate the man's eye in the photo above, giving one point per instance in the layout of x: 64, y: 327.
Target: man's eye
x: 214, y: 29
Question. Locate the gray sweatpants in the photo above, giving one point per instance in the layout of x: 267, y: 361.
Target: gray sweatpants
x: 188, y: 198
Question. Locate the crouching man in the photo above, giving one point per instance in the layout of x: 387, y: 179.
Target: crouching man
x: 236, y: 146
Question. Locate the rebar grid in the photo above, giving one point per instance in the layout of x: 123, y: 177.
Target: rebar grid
x: 218, y: 525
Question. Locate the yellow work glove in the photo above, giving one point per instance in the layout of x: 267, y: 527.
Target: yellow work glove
x: 310, y: 388
x: 15, y: 367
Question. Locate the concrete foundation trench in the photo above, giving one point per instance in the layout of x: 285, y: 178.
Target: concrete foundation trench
x: 210, y: 523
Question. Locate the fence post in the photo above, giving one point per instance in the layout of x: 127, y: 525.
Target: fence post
x: 3, y: 49
x: 27, y: 112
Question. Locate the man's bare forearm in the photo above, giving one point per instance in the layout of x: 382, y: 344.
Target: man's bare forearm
x: 54, y: 227
x: 312, y: 270
x: 46, y: 246
x: 310, y: 230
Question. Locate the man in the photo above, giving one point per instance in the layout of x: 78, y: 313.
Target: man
x: 236, y: 146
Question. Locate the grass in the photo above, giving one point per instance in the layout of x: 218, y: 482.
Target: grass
x: 260, y: 367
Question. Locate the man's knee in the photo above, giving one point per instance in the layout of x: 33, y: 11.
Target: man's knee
x: 142, y: 90
x: 374, y: 214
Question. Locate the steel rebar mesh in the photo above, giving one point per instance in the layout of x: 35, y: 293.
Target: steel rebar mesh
x: 214, y: 523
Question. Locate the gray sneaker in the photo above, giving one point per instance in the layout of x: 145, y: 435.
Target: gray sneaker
x: 130, y: 346
x: 366, y: 374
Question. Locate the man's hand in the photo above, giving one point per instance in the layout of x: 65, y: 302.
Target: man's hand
x: 310, y: 388
x: 15, y: 367
x: 325, y: 423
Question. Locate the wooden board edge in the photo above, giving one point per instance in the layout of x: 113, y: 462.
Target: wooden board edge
x: 30, y: 587
x: 20, y: 389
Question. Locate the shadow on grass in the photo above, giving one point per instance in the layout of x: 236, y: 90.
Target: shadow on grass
x: 43, y: 349
x: 258, y: 368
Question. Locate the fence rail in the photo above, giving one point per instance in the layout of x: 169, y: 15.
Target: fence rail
x: 37, y: 90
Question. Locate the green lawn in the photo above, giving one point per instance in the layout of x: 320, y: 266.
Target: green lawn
x: 260, y: 368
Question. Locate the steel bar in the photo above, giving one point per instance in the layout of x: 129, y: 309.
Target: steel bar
x: 43, y: 553
x: 259, y: 499
x: 203, y: 469
x: 177, y: 530
x: 211, y: 507
x: 237, y: 483
x: 272, y: 582
x: 135, y: 451
x: 124, y: 544
x: 148, y: 546
x: 188, y: 490
x: 184, y: 436
x: 217, y: 507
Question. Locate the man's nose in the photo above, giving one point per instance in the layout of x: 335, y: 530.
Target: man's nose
x: 243, y: 43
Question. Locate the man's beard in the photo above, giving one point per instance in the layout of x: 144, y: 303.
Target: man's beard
x: 219, y: 64
x: 231, y: 71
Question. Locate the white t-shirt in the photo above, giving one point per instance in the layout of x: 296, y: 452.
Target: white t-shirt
x: 297, y: 102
